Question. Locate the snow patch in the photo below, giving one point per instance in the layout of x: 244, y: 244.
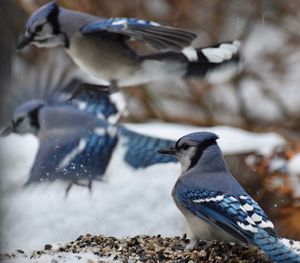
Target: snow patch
x: 293, y: 168
x: 232, y: 140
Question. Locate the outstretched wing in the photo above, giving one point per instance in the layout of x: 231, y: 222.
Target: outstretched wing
x: 141, y: 150
x: 74, y: 156
x: 32, y: 78
x: 159, y: 36
x: 239, y: 215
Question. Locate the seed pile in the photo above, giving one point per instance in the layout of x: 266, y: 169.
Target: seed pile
x: 156, y: 249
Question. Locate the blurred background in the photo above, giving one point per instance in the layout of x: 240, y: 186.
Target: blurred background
x: 263, y: 96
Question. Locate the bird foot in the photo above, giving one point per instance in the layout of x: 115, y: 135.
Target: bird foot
x: 193, y: 244
x: 88, y: 185
x: 85, y: 87
x: 104, y: 89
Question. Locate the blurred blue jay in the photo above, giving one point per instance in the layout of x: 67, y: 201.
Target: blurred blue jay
x: 100, y: 47
x: 214, y: 203
x: 76, y: 139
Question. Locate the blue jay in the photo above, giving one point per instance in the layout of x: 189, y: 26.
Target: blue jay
x: 76, y: 139
x: 214, y: 203
x: 100, y: 47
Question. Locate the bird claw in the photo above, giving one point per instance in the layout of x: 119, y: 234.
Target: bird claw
x: 193, y: 244
x: 88, y: 88
x: 105, y: 90
x: 88, y: 185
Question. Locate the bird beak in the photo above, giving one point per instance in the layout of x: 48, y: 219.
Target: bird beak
x: 25, y: 41
x: 169, y: 150
x: 7, y: 131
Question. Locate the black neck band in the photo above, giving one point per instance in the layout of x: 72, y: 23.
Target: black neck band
x: 52, y: 18
x: 200, y: 149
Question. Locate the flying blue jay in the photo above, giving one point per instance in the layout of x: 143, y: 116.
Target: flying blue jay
x: 101, y: 47
x: 214, y: 203
x: 76, y: 140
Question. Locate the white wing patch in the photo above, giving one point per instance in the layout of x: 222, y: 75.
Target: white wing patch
x: 253, y: 216
x: 100, y: 116
x: 248, y: 207
x: 154, y: 23
x: 99, y: 131
x: 256, y: 217
x: 119, y: 22
x: 209, y: 199
x: 81, y: 104
x: 266, y: 224
x: 232, y: 198
x: 248, y: 227
x: 72, y: 155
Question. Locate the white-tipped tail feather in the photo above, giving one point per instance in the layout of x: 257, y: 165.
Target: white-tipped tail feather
x: 221, y: 53
x: 190, y: 62
x: 190, y: 53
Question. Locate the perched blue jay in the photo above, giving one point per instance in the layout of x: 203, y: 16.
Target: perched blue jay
x: 214, y: 203
x: 76, y: 140
x: 100, y: 47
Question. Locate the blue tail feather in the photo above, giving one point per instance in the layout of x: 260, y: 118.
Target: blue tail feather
x: 274, y: 248
x: 142, y: 150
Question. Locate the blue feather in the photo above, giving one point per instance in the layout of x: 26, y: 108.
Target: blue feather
x: 89, y: 162
x: 159, y: 36
x: 99, y: 105
x: 141, y: 150
x: 42, y: 12
x: 115, y: 25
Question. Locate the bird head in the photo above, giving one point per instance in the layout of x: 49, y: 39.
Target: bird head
x: 43, y: 28
x: 189, y: 148
x: 25, y: 119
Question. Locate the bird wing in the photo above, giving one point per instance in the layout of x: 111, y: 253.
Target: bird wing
x: 159, y: 36
x: 72, y: 156
x: 240, y: 215
x: 141, y: 150
x: 96, y: 103
x: 38, y: 80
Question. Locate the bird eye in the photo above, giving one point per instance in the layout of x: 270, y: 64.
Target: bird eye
x: 38, y: 28
x: 185, y: 146
x: 18, y: 121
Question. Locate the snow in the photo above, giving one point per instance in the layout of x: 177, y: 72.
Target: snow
x: 231, y: 140
x: 57, y: 257
x: 126, y: 203
x: 251, y: 88
x: 293, y: 167
x: 40, y: 214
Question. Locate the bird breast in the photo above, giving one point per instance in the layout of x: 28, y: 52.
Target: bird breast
x: 105, y: 59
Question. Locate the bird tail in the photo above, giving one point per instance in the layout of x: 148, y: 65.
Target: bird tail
x: 203, y: 60
x: 199, y: 61
x: 291, y: 244
x: 275, y: 248
x: 142, y: 149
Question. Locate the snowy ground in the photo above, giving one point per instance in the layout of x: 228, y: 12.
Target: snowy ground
x: 58, y: 257
x: 127, y: 203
